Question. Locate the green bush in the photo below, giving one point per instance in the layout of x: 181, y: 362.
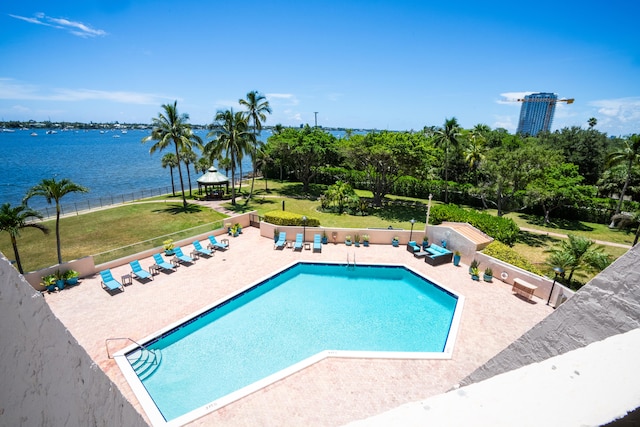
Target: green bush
x: 502, y: 229
x: 505, y: 253
x: 288, y: 218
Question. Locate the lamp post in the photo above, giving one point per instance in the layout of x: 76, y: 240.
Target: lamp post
x: 558, y: 272
x: 304, y: 228
x: 413, y: 221
x: 428, y: 211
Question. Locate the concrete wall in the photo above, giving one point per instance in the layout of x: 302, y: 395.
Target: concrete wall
x: 608, y: 305
x: 46, y: 377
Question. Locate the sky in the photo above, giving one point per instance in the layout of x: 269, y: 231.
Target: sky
x: 396, y: 65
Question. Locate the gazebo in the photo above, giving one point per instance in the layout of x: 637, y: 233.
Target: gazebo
x: 213, y: 178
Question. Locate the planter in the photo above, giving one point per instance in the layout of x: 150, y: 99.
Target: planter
x: 357, y: 244
x: 347, y: 242
x: 51, y: 288
x: 425, y: 245
x: 72, y: 281
x: 395, y: 243
x: 487, y: 277
x: 365, y: 243
x: 475, y: 277
x: 60, y: 284
x: 456, y: 260
x: 169, y: 252
x: 324, y: 240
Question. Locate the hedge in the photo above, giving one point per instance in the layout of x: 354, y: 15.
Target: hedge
x: 509, y: 255
x: 285, y: 218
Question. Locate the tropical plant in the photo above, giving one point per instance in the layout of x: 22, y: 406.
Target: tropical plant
x: 448, y: 137
x: 170, y: 161
x: 628, y: 154
x: 231, y: 139
x: 173, y: 128
x: 53, y: 191
x: 12, y: 220
x: 168, y: 244
x: 578, y: 253
x: 257, y: 106
x: 189, y: 158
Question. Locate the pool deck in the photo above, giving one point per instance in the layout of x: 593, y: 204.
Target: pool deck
x: 331, y: 392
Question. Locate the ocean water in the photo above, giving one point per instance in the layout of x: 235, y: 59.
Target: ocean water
x: 110, y: 164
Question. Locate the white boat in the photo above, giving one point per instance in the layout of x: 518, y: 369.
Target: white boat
x: 8, y: 130
x: 34, y: 134
x: 116, y: 136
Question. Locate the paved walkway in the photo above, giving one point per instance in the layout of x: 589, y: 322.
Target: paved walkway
x: 331, y: 392
x: 564, y: 236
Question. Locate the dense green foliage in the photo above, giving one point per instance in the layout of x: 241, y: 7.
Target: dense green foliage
x: 504, y: 253
x: 289, y: 218
x: 502, y: 229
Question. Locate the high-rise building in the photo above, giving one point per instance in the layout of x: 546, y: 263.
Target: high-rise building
x: 536, y: 114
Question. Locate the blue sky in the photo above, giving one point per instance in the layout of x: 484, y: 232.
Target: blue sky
x: 395, y: 65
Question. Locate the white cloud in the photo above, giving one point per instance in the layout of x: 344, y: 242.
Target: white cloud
x: 511, y: 98
x: 9, y: 89
x: 76, y: 28
x: 282, y: 98
x: 623, y: 109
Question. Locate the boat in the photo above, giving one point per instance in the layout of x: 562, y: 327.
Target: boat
x: 8, y: 130
x: 116, y: 136
x: 34, y: 134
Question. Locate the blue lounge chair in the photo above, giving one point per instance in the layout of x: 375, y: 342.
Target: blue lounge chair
x: 202, y: 251
x: 214, y: 244
x: 181, y: 257
x: 282, y: 240
x: 138, y: 271
x: 108, y: 282
x: 161, y: 263
x: 317, y: 246
x: 298, y: 243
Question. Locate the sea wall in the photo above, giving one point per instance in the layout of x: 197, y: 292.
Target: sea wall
x: 608, y: 305
x: 46, y: 377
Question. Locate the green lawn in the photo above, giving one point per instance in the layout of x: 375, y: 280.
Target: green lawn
x: 108, y: 233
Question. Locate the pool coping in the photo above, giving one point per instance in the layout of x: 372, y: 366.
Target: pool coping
x: 157, y: 419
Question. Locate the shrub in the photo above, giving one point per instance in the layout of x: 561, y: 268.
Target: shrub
x: 289, y: 218
x: 504, y: 253
x: 502, y: 229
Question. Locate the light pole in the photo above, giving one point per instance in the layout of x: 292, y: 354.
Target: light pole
x: 428, y: 211
x: 316, y: 114
x: 413, y: 221
x: 558, y: 272
x: 304, y: 228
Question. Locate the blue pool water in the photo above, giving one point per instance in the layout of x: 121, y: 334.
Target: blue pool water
x: 304, y: 310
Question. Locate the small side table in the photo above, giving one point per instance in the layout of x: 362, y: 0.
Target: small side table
x: 154, y: 269
x: 289, y: 244
x: 225, y: 242
x: 126, y: 279
x: 307, y: 246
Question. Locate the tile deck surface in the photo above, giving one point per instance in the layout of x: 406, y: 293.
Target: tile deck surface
x: 331, y: 392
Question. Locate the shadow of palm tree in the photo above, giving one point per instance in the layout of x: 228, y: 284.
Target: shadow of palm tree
x: 556, y: 223
x: 295, y: 190
x: 399, y: 211
x: 536, y: 240
x: 179, y: 209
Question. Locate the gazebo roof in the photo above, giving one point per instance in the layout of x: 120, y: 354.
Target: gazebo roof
x: 212, y: 177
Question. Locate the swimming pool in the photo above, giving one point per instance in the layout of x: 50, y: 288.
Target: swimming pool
x: 294, y: 318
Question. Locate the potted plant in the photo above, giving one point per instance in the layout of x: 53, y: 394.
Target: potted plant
x: 234, y: 230
x: 228, y: 227
x: 456, y: 258
x: 365, y: 239
x: 474, y: 264
x: 168, y: 247
x: 324, y: 238
x: 395, y: 241
x: 276, y: 234
x: 475, y: 274
x: 59, y: 279
x: 49, y: 282
x: 356, y: 240
x: 347, y: 240
x: 488, y: 274
x: 425, y: 242
x: 238, y: 227
x: 71, y: 277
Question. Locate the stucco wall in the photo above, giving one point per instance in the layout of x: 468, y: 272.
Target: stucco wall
x: 608, y: 305
x: 46, y: 378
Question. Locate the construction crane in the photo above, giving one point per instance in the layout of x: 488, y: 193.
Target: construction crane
x: 532, y: 118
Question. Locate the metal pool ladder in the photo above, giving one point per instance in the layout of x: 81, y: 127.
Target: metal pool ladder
x: 349, y: 265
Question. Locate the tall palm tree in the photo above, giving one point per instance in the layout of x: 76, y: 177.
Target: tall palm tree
x: 170, y: 161
x: 257, y: 106
x: 628, y: 155
x: 53, y: 190
x: 231, y: 138
x: 592, y: 122
x: 172, y: 128
x: 189, y: 158
x: 262, y: 161
x: 12, y: 220
x: 576, y: 253
x: 448, y: 137
x: 202, y: 165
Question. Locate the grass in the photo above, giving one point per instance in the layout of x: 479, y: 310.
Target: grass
x: 131, y: 228
x: 107, y: 230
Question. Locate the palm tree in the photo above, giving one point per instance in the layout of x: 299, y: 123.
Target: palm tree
x: 592, y: 122
x: 628, y: 155
x: 12, y: 220
x: 170, y: 161
x: 172, y: 127
x: 189, y: 157
x: 231, y: 137
x: 202, y: 165
x: 448, y: 137
x: 257, y: 106
x: 576, y: 253
x: 262, y: 161
x: 53, y: 190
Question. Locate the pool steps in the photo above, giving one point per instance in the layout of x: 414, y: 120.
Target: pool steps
x: 145, y: 362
